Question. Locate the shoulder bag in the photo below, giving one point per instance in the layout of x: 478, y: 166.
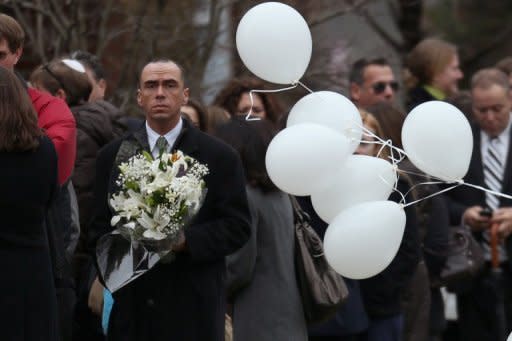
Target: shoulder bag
x: 322, y: 290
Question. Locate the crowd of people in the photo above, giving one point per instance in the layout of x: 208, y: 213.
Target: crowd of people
x: 61, y: 143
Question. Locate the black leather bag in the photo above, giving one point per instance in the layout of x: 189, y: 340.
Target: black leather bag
x: 322, y: 290
x: 464, y: 260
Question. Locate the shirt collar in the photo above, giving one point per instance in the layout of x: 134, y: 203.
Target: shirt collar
x: 170, y: 136
x: 504, y: 134
x: 435, y: 92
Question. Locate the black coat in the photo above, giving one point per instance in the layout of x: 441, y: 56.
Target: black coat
x: 416, y: 96
x: 382, y: 293
x: 183, y: 300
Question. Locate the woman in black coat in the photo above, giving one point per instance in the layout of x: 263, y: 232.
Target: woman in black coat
x: 28, y: 179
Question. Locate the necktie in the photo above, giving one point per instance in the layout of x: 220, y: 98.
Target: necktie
x: 493, y: 173
x: 493, y: 178
x: 161, y: 145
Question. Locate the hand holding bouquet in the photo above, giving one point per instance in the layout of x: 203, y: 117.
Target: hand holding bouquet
x: 157, y: 199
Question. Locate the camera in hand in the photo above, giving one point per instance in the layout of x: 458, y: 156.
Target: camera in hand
x: 486, y: 212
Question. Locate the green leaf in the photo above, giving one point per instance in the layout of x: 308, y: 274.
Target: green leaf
x: 147, y: 155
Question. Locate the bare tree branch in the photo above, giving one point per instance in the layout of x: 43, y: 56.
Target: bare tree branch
x: 38, y: 43
x: 102, y: 36
x: 355, y: 6
x: 370, y: 19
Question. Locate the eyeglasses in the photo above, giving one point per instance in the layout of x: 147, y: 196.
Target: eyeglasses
x: 380, y: 87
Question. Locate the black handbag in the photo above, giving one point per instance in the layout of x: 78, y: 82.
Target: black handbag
x: 464, y: 260
x: 322, y: 290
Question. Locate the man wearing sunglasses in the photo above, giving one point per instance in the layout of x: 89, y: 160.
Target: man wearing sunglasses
x: 372, y: 81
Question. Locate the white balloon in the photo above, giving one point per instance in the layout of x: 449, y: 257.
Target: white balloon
x: 301, y: 157
x: 363, y: 239
x: 362, y: 178
x: 274, y: 42
x: 437, y: 138
x: 332, y: 110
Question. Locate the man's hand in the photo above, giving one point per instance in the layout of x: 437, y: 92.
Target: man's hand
x: 473, y: 219
x: 95, y: 301
x: 181, y: 245
x: 503, y: 217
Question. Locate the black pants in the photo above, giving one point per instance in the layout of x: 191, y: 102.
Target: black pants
x: 479, y: 307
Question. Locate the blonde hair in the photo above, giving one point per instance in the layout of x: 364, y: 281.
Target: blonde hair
x: 370, y: 122
x: 427, y: 59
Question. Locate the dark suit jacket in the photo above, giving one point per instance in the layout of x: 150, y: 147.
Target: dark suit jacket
x: 463, y: 197
x: 182, y: 300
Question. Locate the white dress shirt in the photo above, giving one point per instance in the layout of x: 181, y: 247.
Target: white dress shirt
x: 170, y: 136
x: 501, y: 145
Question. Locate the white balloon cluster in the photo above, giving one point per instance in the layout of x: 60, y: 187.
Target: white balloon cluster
x: 312, y: 156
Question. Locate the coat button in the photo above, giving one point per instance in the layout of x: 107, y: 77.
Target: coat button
x: 150, y: 302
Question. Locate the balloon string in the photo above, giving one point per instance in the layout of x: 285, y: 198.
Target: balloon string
x: 404, y: 205
x: 248, y: 116
x: 488, y: 191
x: 304, y: 86
x: 402, y: 154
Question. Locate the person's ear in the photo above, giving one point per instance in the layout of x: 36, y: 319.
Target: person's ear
x: 355, y: 91
x: 61, y: 94
x: 18, y: 54
x: 186, y: 93
x: 139, y: 99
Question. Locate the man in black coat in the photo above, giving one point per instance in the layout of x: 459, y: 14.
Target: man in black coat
x: 492, y: 134
x: 183, y: 299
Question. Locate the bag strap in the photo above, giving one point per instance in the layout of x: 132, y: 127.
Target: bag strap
x: 298, y: 213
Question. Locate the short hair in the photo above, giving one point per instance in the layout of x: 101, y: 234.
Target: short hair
x: 90, y: 61
x: 250, y: 139
x: 57, y: 75
x: 356, y: 74
x: 485, y: 78
x: 229, y: 97
x: 18, y: 120
x: 164, y: 60
x: 505, y: 65
x: 428, y: 58
x: 11, y: 31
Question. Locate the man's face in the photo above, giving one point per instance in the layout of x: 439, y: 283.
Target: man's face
x: 379, y: 85
x: 161, y: 94
x: 447, y: 79
x: 8, y: 58
x: 491, y: 109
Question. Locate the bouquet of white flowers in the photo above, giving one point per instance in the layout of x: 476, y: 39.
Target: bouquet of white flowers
x: 158, y: 196
x: 156, y: 200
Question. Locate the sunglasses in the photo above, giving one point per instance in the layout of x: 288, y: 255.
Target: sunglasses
x: 379, y: 87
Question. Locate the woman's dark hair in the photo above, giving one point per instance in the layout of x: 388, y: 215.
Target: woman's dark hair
x: 201, y: 113
x: 391, y: 120
x: 250, y: 139
x: 57, y: 75
x: 229, y: 97
x: 18, y: 119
